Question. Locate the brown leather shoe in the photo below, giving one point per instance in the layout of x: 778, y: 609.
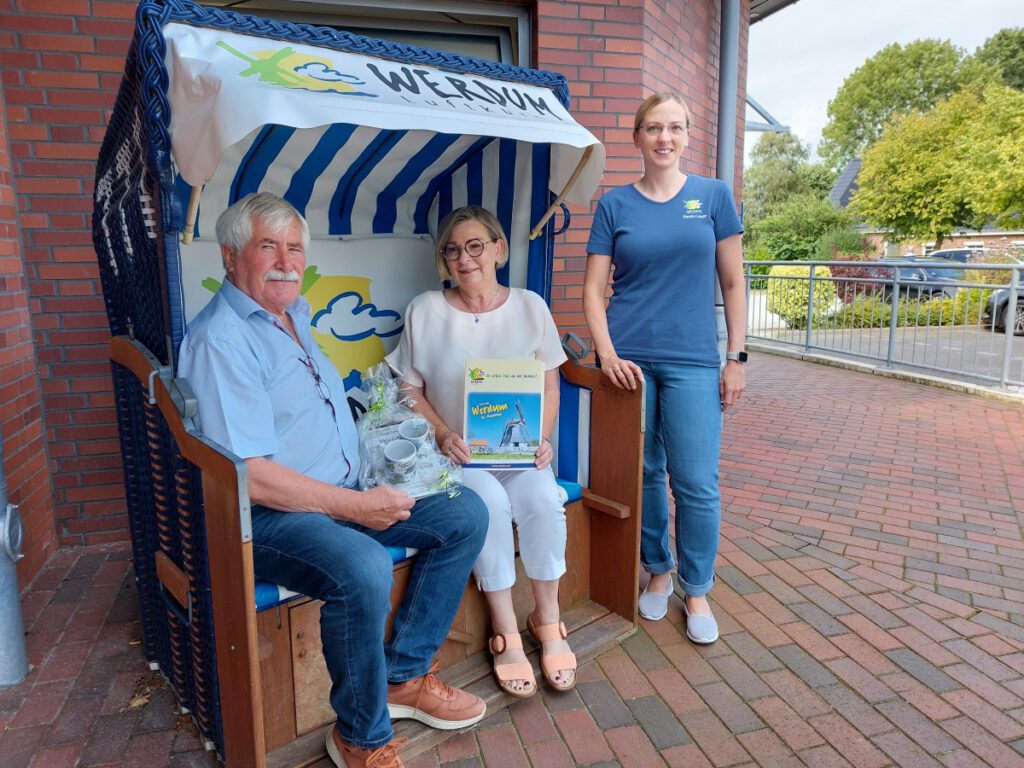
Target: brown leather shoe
x: 430, y: 701
x: 346, y: 756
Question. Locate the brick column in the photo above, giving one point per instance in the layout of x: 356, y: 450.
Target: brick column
x: 21, y: 415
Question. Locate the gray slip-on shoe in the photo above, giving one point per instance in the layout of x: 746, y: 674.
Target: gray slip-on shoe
x: 701, y: 629
x: 653, y: 606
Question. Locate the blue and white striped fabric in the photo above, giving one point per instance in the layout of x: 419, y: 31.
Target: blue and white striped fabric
x: 357, y: 182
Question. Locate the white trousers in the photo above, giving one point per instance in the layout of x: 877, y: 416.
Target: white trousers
x: 530, y: 499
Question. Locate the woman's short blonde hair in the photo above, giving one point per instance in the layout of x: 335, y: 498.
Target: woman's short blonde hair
x: 458, y: 216
x: 654, y: 100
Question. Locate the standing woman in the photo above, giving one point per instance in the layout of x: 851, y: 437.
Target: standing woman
x: 480, y: 318
x: 667, y: 235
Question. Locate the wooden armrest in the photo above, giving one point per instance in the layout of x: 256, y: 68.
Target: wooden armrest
x: 599, y: 503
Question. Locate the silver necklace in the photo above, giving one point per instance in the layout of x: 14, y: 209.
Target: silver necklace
x: 476, y: 315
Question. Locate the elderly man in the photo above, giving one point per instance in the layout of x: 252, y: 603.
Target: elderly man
x: 269, y: 394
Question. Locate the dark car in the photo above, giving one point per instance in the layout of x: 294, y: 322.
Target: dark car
x: 997, y: 314
x: 920, y: 279
x: 962, y: 255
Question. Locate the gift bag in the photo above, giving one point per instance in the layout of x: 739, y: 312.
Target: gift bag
x: 396, y: 444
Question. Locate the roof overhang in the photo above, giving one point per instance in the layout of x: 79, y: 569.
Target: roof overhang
x: 762, y: 9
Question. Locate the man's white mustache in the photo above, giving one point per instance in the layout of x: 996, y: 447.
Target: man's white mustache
x: 276, y: 274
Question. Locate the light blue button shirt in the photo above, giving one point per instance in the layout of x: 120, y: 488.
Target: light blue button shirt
x: 256, y: 395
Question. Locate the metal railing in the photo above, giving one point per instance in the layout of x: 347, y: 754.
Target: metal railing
x: 916, y: 315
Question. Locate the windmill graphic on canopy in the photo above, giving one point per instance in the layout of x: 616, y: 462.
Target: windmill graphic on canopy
x: 516, y: 435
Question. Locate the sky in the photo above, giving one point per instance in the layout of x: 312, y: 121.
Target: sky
x: 800, y: 56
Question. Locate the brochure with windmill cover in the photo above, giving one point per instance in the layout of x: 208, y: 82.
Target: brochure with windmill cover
x: 504, y: 402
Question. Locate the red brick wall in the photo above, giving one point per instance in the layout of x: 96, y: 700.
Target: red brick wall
x: 21, y: 413
x: 615, y: 53
x: 61, y: 62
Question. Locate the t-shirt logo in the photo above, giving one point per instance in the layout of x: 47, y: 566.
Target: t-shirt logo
x: 692, y: 209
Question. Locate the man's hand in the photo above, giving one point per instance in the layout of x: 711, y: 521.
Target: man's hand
x: 384, y: 506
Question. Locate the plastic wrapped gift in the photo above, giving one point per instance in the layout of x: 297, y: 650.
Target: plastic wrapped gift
x: 396, y: 444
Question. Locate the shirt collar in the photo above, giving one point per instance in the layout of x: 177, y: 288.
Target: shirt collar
x: 244, y: 305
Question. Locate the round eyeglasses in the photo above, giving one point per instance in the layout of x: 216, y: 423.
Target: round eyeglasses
x: 474, y: 249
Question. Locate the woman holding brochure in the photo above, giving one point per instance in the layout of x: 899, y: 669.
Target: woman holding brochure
x: 480, y: 318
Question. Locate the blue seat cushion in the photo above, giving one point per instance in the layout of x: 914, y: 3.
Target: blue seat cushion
x: 574, y: 491
x: 269, y: 594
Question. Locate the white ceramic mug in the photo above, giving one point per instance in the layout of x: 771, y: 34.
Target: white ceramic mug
x: 416, y: 431
x: 399, y: 460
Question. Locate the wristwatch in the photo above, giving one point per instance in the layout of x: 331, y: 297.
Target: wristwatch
x: 739, y: 357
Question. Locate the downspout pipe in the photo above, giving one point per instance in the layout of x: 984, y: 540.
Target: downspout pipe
x: 728, y: 90
x: 13, y: 658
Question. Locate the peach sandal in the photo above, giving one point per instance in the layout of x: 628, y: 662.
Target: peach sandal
x: 553, y: 663
x: 506, y: 674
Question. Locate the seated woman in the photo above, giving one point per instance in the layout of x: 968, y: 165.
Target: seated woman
x: 480, y: 318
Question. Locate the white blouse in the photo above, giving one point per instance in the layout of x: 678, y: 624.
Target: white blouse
x: 438, y: 339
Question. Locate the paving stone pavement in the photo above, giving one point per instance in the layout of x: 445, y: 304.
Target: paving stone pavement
x: 869, y: 595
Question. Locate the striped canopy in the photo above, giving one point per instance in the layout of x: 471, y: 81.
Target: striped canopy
x: 362, y: 144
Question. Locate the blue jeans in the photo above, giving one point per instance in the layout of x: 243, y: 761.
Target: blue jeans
x: 684, y: 434
x: 346, y: 566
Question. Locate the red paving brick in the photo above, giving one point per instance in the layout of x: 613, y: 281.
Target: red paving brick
x: 870, y: 578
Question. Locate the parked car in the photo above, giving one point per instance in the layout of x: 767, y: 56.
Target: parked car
x: 962, y: 255
x: 925, y: 278
x: 996, y: 311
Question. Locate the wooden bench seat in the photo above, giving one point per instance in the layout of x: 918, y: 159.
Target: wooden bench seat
x: 271, y: 704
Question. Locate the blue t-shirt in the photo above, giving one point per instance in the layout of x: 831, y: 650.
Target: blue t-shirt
x: 256, y: 395
x: 663, y: 305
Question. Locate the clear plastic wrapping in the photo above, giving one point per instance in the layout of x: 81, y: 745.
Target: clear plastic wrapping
x: 396, y: 444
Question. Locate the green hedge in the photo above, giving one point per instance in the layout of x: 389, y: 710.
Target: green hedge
x: 788, y: 294
x: 873, y: 312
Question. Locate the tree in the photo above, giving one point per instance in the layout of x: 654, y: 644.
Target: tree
x: 993, y: 167
x: 960, y: 165
x: 1005, y: 50
x: 779, y: 170
x: 794, y: 230
x: 774, y: 173
x: 898, y: 80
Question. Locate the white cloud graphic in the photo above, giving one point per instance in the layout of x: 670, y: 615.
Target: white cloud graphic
x: 348, y: 318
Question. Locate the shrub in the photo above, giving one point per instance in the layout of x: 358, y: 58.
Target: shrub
x: 970, y: 304
x: 940, y: 310
x: 848, y: 278
x: 788, y: 293
x: 794, y: 228
x: 759, y: 252
x: 841, y: 244
x: 990, y: 276
x: 863, y: 312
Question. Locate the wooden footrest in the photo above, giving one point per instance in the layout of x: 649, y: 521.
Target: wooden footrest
x: 592, y: 631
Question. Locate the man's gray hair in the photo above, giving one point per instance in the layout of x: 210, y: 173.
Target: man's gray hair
x: 234, y: 226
